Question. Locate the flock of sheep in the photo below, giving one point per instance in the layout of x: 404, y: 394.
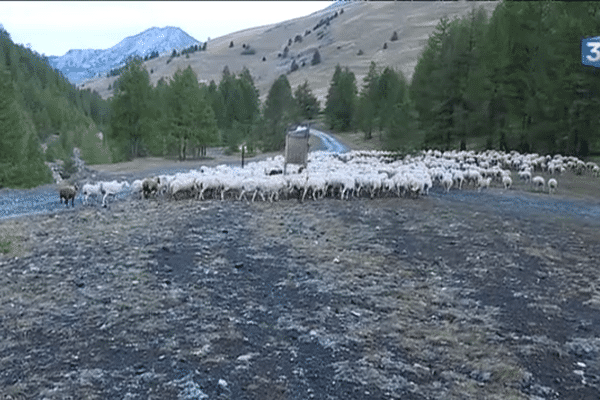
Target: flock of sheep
x: 356, y: 173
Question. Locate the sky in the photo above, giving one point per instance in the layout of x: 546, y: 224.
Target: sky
x: 54, y: 27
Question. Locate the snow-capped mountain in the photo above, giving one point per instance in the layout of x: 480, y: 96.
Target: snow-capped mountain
x: 79, y: 65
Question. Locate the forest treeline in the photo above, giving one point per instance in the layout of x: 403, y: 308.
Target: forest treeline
x: 38, y: 105
x: 510, y: 81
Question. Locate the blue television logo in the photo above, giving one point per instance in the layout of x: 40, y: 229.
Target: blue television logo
x: 590, y: 51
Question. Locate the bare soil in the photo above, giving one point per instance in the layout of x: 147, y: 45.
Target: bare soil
x: 392, y: 298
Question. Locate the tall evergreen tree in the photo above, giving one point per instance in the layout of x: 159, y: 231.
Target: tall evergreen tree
x: 341, y: 98
x: 191, y: 117
x: 307, y: 102
x: 132, y: 112
x: 367, y: 102
x: 279, y: 111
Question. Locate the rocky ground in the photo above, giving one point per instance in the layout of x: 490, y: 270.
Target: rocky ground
x: 380, y: 299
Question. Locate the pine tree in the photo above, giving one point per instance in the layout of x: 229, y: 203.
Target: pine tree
x: 341, y: 98
x: 307, y: 101
x: 279, y: 111
x: 132, y: 113
x: 367, y: 102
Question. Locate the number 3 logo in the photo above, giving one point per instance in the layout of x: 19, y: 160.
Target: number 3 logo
x: 595, y: 46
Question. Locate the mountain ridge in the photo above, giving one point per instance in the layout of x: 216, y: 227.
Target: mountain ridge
x: 79, y: 65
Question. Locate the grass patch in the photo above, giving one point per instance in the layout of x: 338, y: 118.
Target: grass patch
x: 5, y: 246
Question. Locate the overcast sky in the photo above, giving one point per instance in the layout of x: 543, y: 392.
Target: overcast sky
x: 53, y: 28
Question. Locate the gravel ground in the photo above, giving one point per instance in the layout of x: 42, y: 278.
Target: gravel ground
x: 429, y: 298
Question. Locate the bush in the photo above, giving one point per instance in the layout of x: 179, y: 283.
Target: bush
x: 307, y: 32
x: 285, y: 52
x: 394, y: 36
x: 360, y: 52
x: 289, y: 41
x: 385, y: 45
x: 316, y: 58
x: 248, y: 51
x: 231, y: 44
x: 264, y: 58
x: 298, y: 39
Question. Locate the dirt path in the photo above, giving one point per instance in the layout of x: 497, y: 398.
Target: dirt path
x: 386, y: 298
x: 147, y: 166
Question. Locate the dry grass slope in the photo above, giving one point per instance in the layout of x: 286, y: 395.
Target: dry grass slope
x: 362, y: 26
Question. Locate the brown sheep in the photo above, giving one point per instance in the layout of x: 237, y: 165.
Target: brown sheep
x: 150, y: 186
x: 68, y: 193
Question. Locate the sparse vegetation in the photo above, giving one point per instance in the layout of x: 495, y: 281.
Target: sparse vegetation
x: 5, y: 246
x: 248, y: 51
x: 294, y: 66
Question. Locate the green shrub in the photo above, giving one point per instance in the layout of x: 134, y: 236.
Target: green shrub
x: 316, y: 58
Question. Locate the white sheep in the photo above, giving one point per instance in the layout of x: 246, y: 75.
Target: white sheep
x: 273, y: 186
x: 447, y: 182
x: 212, y: 183
x: 317, y: 183
x: 552, y: 185
x: 90, y: 190
x: 183, y: 186
x: 251, y: 185
x: 137, y: 188
x: 458, y: 177
x: 538, y: 181
x: 111, y: 189
x: 525, y: 175
x: 507, y: 181
x: 484, y: 183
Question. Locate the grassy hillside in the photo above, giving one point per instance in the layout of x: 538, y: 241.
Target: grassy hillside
x: 362, y: 26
